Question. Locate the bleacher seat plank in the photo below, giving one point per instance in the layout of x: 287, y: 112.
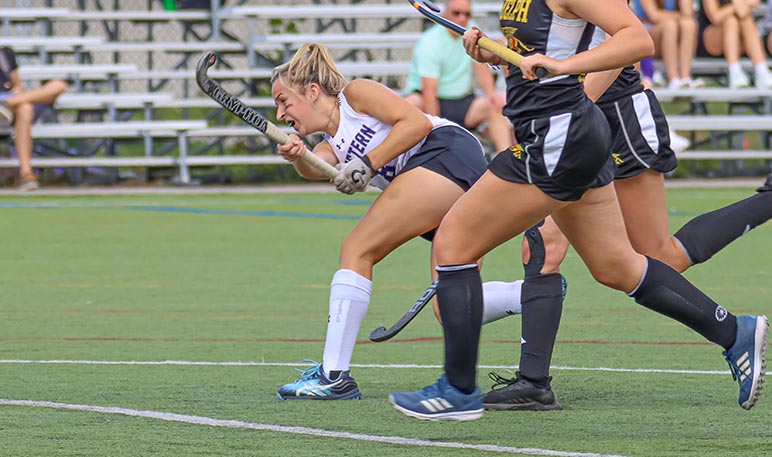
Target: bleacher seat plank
x: 82, y: 72
x: 713, y: 94
x: 721, y: 123
x: 358, y: 11
x: 349, y: 69
x: 32, y: 14
x: 126, y: 129
x: 173, y: 46
x: 206, y: 102
x: 725, y: 155
x: 137, y: 16
x: 50, y: 44
x: 122, y: 100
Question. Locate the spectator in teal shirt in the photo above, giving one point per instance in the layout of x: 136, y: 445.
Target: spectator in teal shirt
x: 442, y: 80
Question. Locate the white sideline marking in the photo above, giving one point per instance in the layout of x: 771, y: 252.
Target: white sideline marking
x: 353, y: 365
x: 201, y: 420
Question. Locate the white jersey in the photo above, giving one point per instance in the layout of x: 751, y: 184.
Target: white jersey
x: 359, y: 134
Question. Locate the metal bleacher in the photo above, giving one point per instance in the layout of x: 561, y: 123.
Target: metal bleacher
x: 131, y: 64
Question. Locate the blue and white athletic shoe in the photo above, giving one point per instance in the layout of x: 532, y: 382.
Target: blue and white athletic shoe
x: 439, y: 401
x: 314, y: 385
x: 747, y: 357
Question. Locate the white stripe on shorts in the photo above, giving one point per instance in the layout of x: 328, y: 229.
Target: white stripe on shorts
x: 555, y: 140
x: 646, y: 120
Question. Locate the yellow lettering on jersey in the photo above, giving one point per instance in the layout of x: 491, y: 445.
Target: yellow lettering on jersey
x: 508, y: 10
x: 617, y: 159
x: 515, y: 10
x: 521, y: 10
x: 517, y: 151
x: 581, y: 77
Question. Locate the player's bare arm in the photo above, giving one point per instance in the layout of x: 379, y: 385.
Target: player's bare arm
x: 629, y: 39
x: 410, y: 125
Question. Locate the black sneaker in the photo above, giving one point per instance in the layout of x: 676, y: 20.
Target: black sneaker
x: 519, y: 394
x: 767, y: 187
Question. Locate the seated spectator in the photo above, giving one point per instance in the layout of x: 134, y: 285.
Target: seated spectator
x: 646, y: 68
x: 21, y: 109
x: 673, y: 28
x: 727, y: 28
x: 442, y: 78
x: 766, y: 30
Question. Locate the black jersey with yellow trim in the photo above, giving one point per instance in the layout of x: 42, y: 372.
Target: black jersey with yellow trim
x: 530, y: 26
x: 627, y: 83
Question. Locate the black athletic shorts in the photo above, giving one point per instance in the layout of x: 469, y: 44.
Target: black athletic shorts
x: 563, y: 154
x: 454, y: 153
x: 455, y: 110
x: 640, y: 136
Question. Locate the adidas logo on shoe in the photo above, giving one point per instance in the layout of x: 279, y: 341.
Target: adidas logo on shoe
x: 439, y: 401
x: 437, y: 404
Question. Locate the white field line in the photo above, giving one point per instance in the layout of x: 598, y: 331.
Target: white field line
x: 202, y: 420
x: 372, y: 365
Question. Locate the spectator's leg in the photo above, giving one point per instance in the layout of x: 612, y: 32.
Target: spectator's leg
x: 750, y: 40
x: 665, y: 35
x: 499, y: 128
x: 44, y: 95
x: 415, y: 100
x: 754, y: 47
x: 24, y: 115
x: 731, y: 47
x: 768, y: 40
x: 687, y: 48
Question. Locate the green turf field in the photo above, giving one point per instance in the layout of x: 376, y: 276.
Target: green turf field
x: 231, y: 291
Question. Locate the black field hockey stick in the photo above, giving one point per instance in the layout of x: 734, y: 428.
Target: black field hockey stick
x: 382, y: 334
x: 250, y: 115
x: 430, y: 10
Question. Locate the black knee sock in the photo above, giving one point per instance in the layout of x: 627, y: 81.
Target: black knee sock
x: 709, y: 233
x: 459, y: 295
x: 667, y: 292
x: 542, y: 305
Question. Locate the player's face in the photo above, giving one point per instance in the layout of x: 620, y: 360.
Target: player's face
x: 293, y: 108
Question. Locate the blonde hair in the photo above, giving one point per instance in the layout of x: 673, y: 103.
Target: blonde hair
x: 312, y: 63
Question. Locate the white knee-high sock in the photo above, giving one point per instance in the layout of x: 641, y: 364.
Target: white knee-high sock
x: 349, y: 299
x: 500, y: 299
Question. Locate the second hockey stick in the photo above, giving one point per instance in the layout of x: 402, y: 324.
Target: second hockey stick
x: 383, y: 334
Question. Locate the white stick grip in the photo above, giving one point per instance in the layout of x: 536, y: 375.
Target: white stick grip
x: 277, y: 135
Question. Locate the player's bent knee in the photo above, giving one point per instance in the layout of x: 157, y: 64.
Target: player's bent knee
x: 615, y: 278
x: 449, y: 249
x: 544, y: 249
x: 556, y: 249
x: 353, y: 252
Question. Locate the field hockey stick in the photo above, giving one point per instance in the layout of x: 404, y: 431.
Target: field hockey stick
x: 382, y: 334
x: 429, y: 9
x: 250, y: 115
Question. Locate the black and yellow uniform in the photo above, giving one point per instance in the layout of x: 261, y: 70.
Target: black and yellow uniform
x: 563, y: 137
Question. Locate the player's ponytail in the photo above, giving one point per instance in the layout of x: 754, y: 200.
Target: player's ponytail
x: 312, y: 63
